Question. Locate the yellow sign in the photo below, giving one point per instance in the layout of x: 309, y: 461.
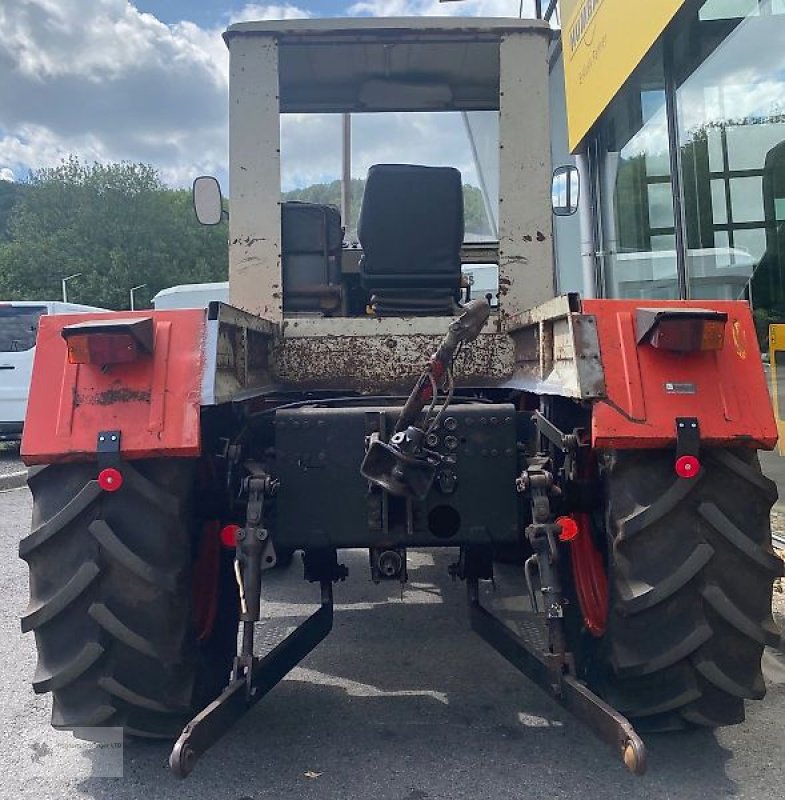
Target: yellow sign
x: 603, y: 42
x: 777, y: 379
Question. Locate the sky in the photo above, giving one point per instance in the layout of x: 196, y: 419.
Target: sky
x: 147, y: 81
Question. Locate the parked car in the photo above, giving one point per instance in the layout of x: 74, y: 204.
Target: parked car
x: 18, y: 330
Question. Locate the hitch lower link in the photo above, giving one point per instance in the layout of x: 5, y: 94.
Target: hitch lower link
x: 549, y: 664
x: 253, y: 677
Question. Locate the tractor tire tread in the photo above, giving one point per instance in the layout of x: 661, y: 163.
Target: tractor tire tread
x: 692, y: 567
x: 109, y: 597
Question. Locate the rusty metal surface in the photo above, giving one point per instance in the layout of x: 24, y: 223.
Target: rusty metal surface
x: 551, y: 349
x: 238, y: 349
x: 591, y: 374
x: 384, y: 363
x: 557, y: 351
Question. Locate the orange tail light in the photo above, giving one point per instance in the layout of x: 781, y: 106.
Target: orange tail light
x: 681, y: 330
x: 113, y: 342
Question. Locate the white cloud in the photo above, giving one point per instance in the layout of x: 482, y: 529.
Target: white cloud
x: 6, y: 174
x: 254, y: 11
x: 433, y: 8
x: 100, y: 79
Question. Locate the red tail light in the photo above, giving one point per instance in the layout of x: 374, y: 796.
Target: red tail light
x: 681, y: 330
x: 110, y: 479
x: 687, y: 466
x: 102, y: 342
x: 569, y: 528
x: 228, y: 536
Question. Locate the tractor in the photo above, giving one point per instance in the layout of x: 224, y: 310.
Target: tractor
x: 356, y: 396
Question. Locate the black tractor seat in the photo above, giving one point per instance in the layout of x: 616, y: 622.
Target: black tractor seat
x: 411, y: 231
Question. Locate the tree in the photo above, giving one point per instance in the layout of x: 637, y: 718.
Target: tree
x: 117, y: 224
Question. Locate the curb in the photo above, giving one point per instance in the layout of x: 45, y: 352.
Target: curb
x: 15, y: 480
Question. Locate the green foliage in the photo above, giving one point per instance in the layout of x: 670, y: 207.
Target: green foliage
x: 120, y: 226
x: 9, y: 195
x: 117, y: 224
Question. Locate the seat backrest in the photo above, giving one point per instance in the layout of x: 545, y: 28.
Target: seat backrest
x: 411, y: 224
x: 311, y: 242
x: 310, y: 228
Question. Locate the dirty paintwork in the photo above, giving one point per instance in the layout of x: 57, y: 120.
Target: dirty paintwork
x: 154, y: 402
x: 557, y: 351
x: 272, y: 69
x: 647, y: 389
x: 384, y: 363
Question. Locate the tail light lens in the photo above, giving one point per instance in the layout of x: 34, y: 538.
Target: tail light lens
x: 687, y: 466
x: 228, y: 536
x: 109, y: 342
x: 681, y: 330
x: 102, y: 348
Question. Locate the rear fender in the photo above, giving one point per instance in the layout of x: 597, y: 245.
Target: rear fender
x: 154, y: 401
x: 647, y: 389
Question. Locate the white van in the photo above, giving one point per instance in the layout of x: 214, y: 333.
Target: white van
x: 191, y: 295
x: 18, y: 329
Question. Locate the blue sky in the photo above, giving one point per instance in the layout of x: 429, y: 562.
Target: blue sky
x: 211, y: 13
x: 147, y: 81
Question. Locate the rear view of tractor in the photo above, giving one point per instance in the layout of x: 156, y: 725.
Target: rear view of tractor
x: 356, y: 397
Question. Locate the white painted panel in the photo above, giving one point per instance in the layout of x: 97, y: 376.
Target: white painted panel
x: 526, y: 273
x: 254, y: 209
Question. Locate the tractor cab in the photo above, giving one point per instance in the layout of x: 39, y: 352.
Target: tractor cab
x: 412, y: 255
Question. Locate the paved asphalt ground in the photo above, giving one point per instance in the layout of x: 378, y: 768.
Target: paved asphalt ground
x: 401, y: 702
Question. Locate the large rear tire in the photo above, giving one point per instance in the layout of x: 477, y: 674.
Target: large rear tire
x: 690, y: 573
x: 110, y: 600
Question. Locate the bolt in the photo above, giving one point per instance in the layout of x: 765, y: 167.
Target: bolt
x: 450, y: 423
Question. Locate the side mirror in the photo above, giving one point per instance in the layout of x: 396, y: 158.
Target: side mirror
x: 207, y: 199
x: 565, y: 191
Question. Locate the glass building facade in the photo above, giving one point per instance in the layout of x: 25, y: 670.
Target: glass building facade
x: 688, y: 164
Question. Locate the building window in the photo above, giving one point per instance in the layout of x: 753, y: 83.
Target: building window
x: 729, y: 66
x: 639, y: 244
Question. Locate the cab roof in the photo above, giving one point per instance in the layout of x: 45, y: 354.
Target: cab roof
x: 390, y: 63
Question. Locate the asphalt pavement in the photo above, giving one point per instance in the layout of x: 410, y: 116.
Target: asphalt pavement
x: 401, y: 702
